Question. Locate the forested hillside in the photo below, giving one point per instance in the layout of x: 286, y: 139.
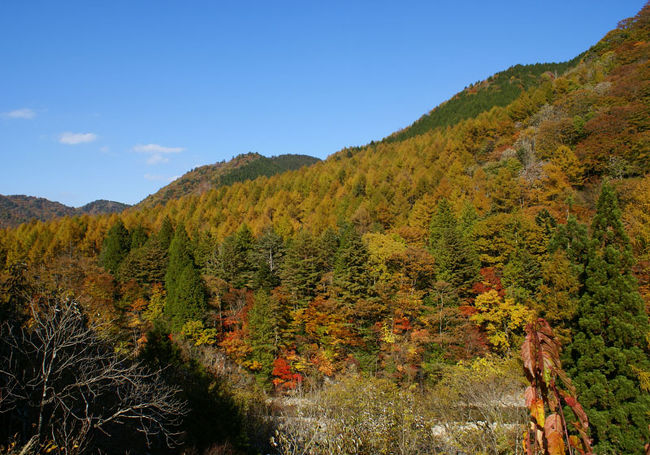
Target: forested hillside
x: 18, y: 209
x: 389, y: 289
x: 499, y: 90
x: 239, y: 169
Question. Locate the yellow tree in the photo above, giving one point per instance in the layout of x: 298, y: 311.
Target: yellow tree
x: 502, y: 319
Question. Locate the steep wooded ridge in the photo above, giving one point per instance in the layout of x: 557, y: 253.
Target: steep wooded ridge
x: 239, y: 169
x: 17, y: 209
x: 394, y: 281
x: 500, y: 89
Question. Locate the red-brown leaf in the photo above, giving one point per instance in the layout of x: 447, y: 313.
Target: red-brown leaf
x: 530, y: 395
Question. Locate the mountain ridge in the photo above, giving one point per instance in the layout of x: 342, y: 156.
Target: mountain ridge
x: 240, y: 168
x: 16, y: 209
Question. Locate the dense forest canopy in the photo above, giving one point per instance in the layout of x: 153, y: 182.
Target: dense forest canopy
x: 403, y: 275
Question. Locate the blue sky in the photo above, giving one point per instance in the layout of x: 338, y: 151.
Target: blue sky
x: 112, y: 99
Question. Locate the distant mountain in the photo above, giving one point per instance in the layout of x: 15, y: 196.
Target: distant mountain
x: 239, y: 169
x: 17, y: 209
x: 499, y: 90
x: 102, y: 206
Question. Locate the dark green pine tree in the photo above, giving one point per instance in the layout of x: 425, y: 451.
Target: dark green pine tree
x: 185, y: 288
x: 328, y: 245
x: 573, y: 238
x: 456, y: 261
x: 522, y: 274
x: 301, y: 271
x: 166, y: 233
x: 138, y: 237
x: 351, y: 278
x: 115, y: 247
x: 264, y: 321
x: 266, y: 259
x: 609, y: 353
x: 234, y: 258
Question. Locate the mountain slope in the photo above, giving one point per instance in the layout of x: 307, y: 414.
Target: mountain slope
x: 498, y: 90
x: 243, y: 167
x: 547, y: 149
x: 598, y: 111
x: 101, y: 206
x: 17, y: 209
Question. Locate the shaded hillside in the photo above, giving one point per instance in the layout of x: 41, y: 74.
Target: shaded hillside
x: 17, y: 209
x: 498, y: 90
x: 243, y: 167
x: 102, y: 206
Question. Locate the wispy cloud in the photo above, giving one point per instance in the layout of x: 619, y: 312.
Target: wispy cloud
x: 157, y: 158
x: 76, y: 138
x: 155, y: 148
x: 157, y: 152
x: 23, y: 113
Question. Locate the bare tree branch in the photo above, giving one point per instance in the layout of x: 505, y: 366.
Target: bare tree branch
x: 67, y: 387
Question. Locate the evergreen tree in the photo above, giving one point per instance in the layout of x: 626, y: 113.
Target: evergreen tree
x: 189, y: 301
x: 573, y: 238
x: 456, y: 261
x: 138, y: 237
x: 609, y: 354
x: 301, y: 271
x: 204, y: 251
x: 166, y: 233
x: 351, y: 277
x: 185, y: 289
x: 264, y: 320
x: 234, y: 262
x: 328, y: 245
x: 115, y: 247
x: 546, y: 221
x: 522, y: 274
x: 267, y: 258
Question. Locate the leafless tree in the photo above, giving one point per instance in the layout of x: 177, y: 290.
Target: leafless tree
x: 62, y: 386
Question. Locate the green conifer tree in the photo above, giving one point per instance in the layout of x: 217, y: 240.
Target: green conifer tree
x: 328, y: 245
x: 138, y: 237
x: 166, y: 233
x: 185, y: 288
x: 264, y: 320
x: 234, y: 261
x: 351, y: 277
x: 266, y: 259
x: 456, y: 261
x: 609, y: 356
x: 115, y: 247
x: 301, y: 271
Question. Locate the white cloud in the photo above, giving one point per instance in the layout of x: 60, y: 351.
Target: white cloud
x: 155, y: 148
x: 157, y: 158
x: 76, y: 138
x: 171, y: 179
x: 24, y: 113
x: 105, y: 149
x: 157, y: 152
